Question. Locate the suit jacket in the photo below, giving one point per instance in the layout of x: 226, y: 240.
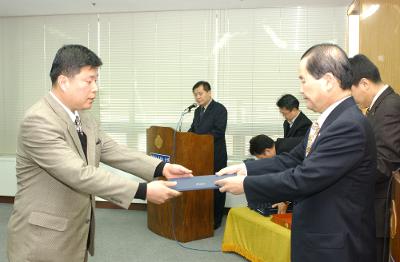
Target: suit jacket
x: 213, y: 122
x: 299, y: 127
x: 53, y: 213
x: 293, y: 135
x: 283, y: 145
x: 332, y: 189
x: 384, y: 116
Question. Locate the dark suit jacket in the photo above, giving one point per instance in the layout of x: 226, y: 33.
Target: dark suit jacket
x: 299, y: 127
x: 213, y: 122
x: 293, y: 135
x: 332, y: 189
x: 384, y: 116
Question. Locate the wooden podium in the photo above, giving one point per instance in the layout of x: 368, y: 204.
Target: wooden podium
x: 191, y: 215
x: 395, y: 218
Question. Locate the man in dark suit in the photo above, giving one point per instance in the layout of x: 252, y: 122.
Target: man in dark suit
x: 330, y: 176
x: 296, y: 123
x: 211, y: 118
x: 384, y: 115
x: 262, y: 146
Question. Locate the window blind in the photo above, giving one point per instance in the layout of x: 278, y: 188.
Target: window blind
x: 152, y: 60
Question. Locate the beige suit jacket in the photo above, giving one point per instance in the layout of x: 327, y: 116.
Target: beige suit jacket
x: 53, y: 214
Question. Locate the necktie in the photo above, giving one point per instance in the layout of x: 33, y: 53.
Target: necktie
x: 81, y: 134
x: 78, y: 125
x: 287, y: 129
x: 367, y: 111
x: 312, y: 136
x: 202, y: 112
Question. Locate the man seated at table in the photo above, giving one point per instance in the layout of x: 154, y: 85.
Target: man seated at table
x: 262, y: 146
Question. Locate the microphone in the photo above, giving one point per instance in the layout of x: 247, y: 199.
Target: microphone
x: 189, y: 108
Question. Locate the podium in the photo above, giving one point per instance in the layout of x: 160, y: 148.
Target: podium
x: 191, y: 215
x: 394, y: 218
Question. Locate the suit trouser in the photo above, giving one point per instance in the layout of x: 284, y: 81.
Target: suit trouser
x: 219, y: 205
x: 382, y: 243
x: 382, y: 218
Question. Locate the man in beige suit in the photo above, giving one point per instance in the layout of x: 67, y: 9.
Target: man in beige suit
x: 58, y: 175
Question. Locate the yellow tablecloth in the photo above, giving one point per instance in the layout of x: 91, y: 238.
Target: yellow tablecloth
x: 255, y: 237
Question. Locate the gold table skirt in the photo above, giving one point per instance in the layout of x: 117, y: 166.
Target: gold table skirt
x: 255, y: 237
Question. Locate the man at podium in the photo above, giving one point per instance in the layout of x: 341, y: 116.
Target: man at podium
x: 211, y: 118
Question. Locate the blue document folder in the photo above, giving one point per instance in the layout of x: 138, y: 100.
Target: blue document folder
x: 197, y: 182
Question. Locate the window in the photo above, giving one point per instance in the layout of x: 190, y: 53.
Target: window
x: 152, y: 60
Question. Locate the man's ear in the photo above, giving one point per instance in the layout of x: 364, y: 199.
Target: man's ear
x: 364, y: 83
x: 329, y: 81
x: 269, y: 152
x: 63, y: 82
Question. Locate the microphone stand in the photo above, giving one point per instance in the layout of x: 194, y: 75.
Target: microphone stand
x: 179, y: 125
x: 178, y: 129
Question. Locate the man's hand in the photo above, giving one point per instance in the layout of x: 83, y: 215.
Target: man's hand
x: 233, y: 184
x: 282, y: 207
x: 174, y: 171
x: 240, y: 170
x: 158, y: 191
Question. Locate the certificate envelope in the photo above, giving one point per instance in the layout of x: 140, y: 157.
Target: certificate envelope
x: 197, y: 182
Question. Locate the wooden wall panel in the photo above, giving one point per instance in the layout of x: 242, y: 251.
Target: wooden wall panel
x: 380, y: 38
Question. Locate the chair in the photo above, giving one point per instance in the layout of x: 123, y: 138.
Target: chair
x: 394, y: 218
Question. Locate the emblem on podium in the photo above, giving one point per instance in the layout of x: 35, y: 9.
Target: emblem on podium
x: 158, y: 142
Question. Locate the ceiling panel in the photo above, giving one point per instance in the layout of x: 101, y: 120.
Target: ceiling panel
x: 54, y: 7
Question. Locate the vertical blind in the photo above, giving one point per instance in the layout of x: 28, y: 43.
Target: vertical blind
x: 152, y: 60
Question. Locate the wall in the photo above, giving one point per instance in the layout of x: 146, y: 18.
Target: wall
x: 380, y: 38
x: 8, y: 185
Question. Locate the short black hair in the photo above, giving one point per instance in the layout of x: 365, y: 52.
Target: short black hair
x: 288, y: 101
x: 205, y: 85
x: 329, y: 58
x: 363, y: 68
x: 70, y: 59
x: 259, y: 143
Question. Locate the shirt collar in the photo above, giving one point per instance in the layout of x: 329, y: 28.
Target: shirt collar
x: 71, y: 114
x: 328, y: 111
x: 378, y: 95
x: 294, y: 119
x: 209, y: 102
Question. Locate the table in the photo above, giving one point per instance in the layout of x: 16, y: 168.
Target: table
x: 255, y: 237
